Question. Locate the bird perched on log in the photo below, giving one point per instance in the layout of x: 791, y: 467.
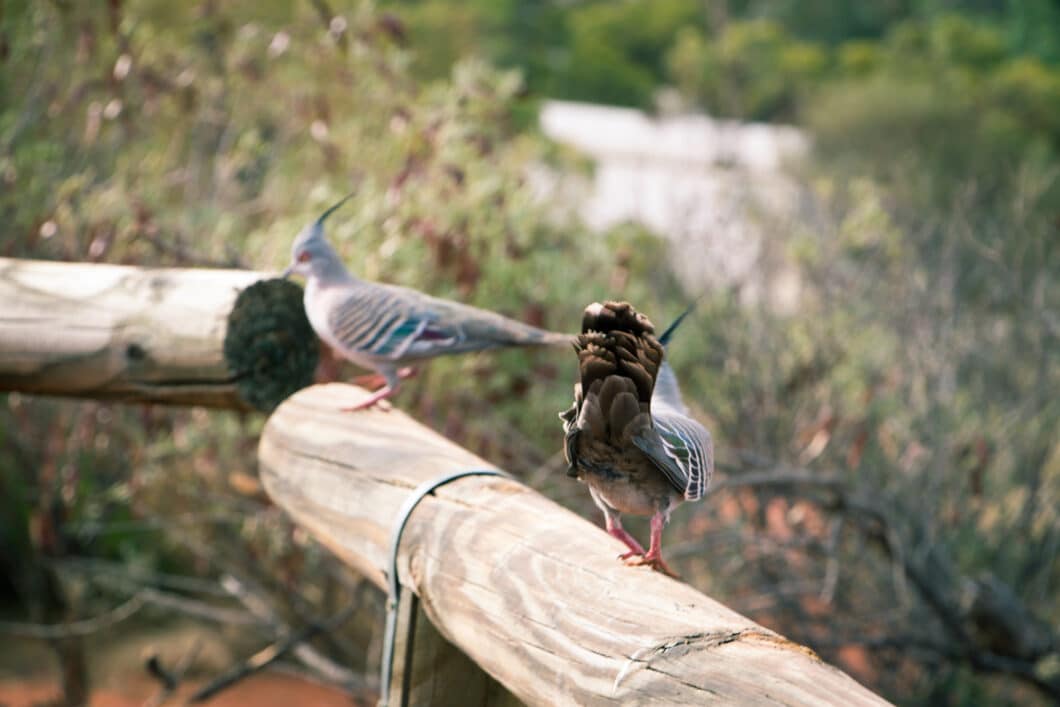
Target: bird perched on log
x: 385, y: 327
x: 628, y: 435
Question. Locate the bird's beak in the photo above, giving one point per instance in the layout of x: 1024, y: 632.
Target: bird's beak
x: 287, y: 273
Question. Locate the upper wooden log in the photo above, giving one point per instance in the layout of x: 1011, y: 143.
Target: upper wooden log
x: 134, y: 334
x: 530, y: 591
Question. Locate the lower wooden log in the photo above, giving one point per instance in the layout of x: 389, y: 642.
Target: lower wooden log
x: 528, y: 590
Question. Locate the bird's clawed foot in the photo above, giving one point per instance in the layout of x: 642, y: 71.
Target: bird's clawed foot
x: 380, y: 405
x: 615, y: 529
x: 378, y: 399
x: 653, y: 560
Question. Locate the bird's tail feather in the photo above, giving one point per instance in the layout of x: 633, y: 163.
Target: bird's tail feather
x: 616, y: 340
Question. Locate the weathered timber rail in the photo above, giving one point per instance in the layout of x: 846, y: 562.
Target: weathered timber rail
x: 531, y: 592
x: 526, y: 590
x: 135, y: 334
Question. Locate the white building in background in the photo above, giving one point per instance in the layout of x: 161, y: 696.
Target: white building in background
x: 709, y: 186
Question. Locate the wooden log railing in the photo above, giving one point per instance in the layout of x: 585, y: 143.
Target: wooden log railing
x: 148, y: 334
x: 529, y: 591
x: 501, y: 579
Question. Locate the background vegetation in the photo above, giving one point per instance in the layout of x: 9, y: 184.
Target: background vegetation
x: 891, y: 472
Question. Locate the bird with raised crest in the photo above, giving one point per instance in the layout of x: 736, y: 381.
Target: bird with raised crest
x: 629, y: 436
x: 386, y: 328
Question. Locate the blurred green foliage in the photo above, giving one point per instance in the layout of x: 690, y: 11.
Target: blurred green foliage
x: 922, y: 356
x: 754, y: 70
x: 622, y: 52
x: 208, y: 134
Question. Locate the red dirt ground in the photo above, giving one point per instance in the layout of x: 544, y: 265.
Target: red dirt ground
x: 263, y: 690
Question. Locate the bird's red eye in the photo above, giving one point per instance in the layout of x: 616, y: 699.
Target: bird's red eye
x: 303, y: 256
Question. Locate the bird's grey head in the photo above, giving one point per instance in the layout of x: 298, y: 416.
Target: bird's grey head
x: 311, y: 254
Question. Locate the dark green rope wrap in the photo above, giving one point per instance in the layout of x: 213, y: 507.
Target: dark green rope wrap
x: 269, y: 347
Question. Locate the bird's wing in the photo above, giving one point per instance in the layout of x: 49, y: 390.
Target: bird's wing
x: 571, y: 431
x: 388, y: 323
x: 667, y: 393
x: 681, y: 449
x: 401, y: 324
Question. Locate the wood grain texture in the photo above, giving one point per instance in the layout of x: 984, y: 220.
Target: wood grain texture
x: 429, y: 670
x: 528, y: 590
x: 117, y: 332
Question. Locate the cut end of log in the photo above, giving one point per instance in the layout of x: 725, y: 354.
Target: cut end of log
x: 269, y: 347
x: 118, y: 332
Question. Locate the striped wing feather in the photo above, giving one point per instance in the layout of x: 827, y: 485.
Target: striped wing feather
x: 400, y: 324
x: 682, y: 449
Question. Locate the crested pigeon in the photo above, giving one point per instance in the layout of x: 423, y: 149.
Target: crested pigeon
x: 629, y: 436
x: 386, y: 327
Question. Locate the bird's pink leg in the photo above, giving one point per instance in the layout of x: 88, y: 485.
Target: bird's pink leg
x: 375, y: 380
x: 614, y: 527
x: 375, y: 398
x: 389, y: 386
x: 653, y: 557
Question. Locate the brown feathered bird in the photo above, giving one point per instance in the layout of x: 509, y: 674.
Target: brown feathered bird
x: 628, y: 435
